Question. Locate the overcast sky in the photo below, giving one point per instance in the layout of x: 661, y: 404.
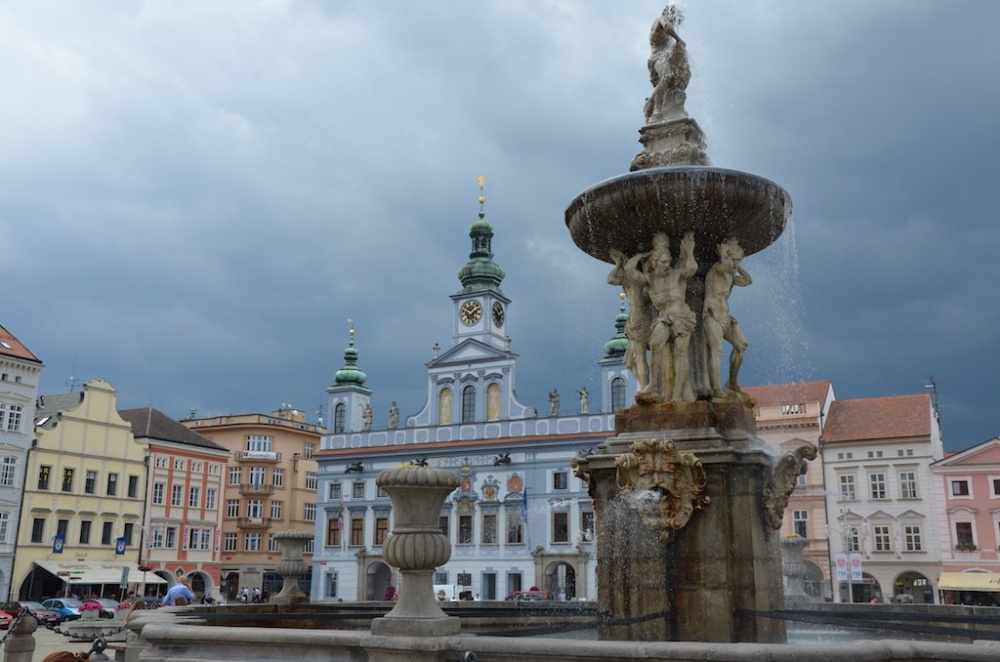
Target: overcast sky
x: 195, y: 196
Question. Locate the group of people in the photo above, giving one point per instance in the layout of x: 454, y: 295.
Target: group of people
x: 248, y: 596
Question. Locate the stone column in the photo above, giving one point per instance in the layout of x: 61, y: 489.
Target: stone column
x: 291, y: 566
x: 416, y: 547
x: 21, y: 645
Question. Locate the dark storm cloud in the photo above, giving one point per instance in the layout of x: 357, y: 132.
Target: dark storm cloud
x: 198, y: 195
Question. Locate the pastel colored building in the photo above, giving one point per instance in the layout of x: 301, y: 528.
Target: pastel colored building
x: 184, y: 494
x: 19, y: 373
x: 881, y: 497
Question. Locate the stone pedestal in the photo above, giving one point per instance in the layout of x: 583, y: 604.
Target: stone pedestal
x: 417, y: 546
x: 702, y: 580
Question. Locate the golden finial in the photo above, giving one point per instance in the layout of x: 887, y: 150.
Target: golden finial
x: 481, y: 180
x: 350, y: 320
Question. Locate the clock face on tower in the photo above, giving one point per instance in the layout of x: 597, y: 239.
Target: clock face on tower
x: 470, y: 312
x: 497, y: 314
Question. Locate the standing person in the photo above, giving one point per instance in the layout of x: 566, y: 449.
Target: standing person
x: 179, y: 594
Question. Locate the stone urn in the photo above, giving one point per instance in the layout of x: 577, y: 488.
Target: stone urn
x: 291, y: 566
x: 794, y: 566
x: 416, y: 547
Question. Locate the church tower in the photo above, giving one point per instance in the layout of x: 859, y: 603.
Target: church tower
x: 348, y: 396
x: 618, y: 385
x: 473, y: 380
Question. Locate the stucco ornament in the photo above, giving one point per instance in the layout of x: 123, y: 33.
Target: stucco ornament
x: 679, y: 479
x: 781, y: 484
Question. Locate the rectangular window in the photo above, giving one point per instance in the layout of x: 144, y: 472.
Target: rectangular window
x: 272, y: 543
x: 310, y: 512
x: 112, y: 484
x: 133, y: 487
x: 14, y: 418
x: 489, y: 532
x: 232, y: 508
x: 159, y: 489
x: 800, y: 523
x: 996, y: 487
x: 194, y: 497
x: 587, y: 525
x: 560, y: 527
x: 235, y: 475
x: 43, y: 477
x: 176, y: 495
x: 210, y: 498
x: 876, y: 485
x: 847, y: 487
x: 62, y: 526
x: 381, y: 531
x: 278, y: 477
x: 444, y: 525
x: 357, y: 531
x: 170, y: 540
x: 333, y: 532
x: 331, y: 585
x: 67, y: 482
x: 160, y: 462
x: 911, y: 538
x: 788, y: 410
x: 963, y: 533
x: 257, y: 475
x: 4, y: 526
x: 358, y: 489
x: 229, y: 542
x: 37, y: 529
x: 380, y: 493
x: 853, y: 540
x: 180, y: 464
x: 90, y: 482
x: 560, y: 480
x: 129, y: 531
x: 465, y: 529
x: 908, y: 485
x: 276, y: 507
x: 882, y: 538
x: 960, y: 488
x: 259, y: 443
x: 252, y: 542
x: 85, y: 532
x: 335, y: 491
x: 310, y: 448
x: 106, y: 530
x: 255, y: 508
x: 515, y: 526
x: 312, y: 480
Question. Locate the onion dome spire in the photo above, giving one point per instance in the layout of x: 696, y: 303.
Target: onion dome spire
x: 616, y: 346
x: 350, y: 374
x: 481, y: 273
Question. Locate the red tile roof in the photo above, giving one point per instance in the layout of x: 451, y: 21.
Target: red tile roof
x: 11, y: 346
x: 789, y: 394
x: 879, y: 418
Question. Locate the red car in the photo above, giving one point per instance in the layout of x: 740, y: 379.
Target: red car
x: 5, y: 619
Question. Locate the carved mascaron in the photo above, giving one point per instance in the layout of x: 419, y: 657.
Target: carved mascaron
x: 781, y: 484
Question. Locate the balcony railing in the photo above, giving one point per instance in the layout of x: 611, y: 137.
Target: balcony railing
x: 254, y: 522
x: 258, y: 456
x: 256, y: 488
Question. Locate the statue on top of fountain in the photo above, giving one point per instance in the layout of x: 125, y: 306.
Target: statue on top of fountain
x: 670, y: 137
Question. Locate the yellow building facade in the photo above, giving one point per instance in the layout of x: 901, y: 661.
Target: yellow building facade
x: 81, y: 518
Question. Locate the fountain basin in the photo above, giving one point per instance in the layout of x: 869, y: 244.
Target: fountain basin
x: 625, y: 212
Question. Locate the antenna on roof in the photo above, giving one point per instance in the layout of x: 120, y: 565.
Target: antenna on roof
x: 73, y: 380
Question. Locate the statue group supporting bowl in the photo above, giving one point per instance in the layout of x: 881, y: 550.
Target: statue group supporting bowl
x: 625, y: 212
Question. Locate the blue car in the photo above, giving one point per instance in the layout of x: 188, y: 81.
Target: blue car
x: 67, y: 608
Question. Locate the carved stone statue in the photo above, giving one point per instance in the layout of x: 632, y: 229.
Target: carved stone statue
x: 553, y: 402
x: 669, y: 70
x: 393, y: 416
x: 584, y: 400
x: 367, y: 416
x: 640, y: 316
x: 718, y: 324
x: 782, y: 481
x: 670, y: 337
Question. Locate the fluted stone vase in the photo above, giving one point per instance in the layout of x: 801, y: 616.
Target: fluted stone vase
x: 291, y: 566
x: 417, y: 547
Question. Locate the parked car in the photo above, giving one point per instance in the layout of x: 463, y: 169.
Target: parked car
x: 529, y: 596
x: 108, y: 607
x: 45, y: 616
x: 67, y: 608
x: 6, y: 618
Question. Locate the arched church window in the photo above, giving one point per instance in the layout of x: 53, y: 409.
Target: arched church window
x: 339, y: 414
x: 444, y: 407
x: 493, y: 402
x: 469, y: 404
x: 617, y: 394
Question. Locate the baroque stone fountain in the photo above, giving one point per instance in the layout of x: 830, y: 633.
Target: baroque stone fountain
x: 688, y: 499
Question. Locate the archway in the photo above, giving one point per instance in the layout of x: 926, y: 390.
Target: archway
x: 915, y: 585
x: 379, y: 577
x: 560, y: 580
x: 201, y: 583
x: 813, y: 583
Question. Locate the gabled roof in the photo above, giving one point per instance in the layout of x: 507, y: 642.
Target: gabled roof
x: 898, y: 416
x: 789, y: 394
x: 11, y: 346
x: 149, y: 423
x: 470, y: 350
x: 48, y: 406
x: 984, y: 456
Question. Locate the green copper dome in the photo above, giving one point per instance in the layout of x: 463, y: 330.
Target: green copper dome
x: 617, y: 345
x: 350, y: 374
x: 481, y: 273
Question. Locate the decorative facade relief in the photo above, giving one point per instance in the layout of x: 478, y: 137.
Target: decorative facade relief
x: 781, y: 484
